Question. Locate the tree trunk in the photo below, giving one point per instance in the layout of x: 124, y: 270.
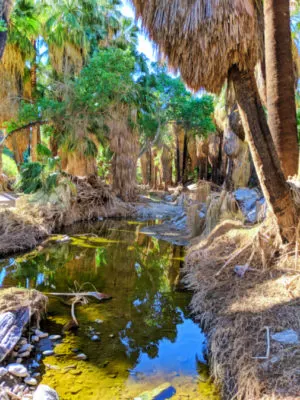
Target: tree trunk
x: 3, y: 37
x: 280, y: 84
x: 5, y: 8
x: 271, y: 177
x: 34, y: 142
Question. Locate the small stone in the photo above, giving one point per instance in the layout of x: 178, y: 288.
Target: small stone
x: 75, y: 350
x: 25, y: 347
x: 41, y: 334
x: 288, y: 336
x: 19, y: 360
x: 54, y: 337
x: 36, y: 374
x: 95, y: 338
x: 44, y: 392
x: 25, y: 354
x: 30, y: 381
x: 3, y: 371
x: 22, y: 341
x: 48, y: 353
x: 17, y: 370
x: 98, y: 321
x: 81, y: 356
x: 111, y: 335
x: 35, y: 338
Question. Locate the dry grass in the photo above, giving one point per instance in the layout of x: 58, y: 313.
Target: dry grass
x: 236, y: 311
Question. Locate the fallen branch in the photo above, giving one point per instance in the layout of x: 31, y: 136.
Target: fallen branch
x: 267, y: 356
x: 97, y: 295
x: 234, y: 255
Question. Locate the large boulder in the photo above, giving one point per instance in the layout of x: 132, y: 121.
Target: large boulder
x: 44, y: 392
x: 250, y: 202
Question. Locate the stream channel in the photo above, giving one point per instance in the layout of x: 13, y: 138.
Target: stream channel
x: 146, y: 336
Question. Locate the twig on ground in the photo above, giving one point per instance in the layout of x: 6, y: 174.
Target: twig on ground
x: 267, y: 356
x: 234, y: 255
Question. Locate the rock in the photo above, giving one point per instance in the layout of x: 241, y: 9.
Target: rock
x: 288, y: 336
x: 98, y: 321
x: 44, y: 392
x: 81, y: 356
x: 3, y: 371
x: 19, y: 360
x: 111, y: 335
x: 17, y: 370
x: 36, y: 374
x: 162, y: 392
x: 240, y: 270
x: 30, y: 381
x: 247, y: 200
x: 25, y: 354
x: 35, y: 338
x: 64, y: 239
x: 48, y: 353
x: 95, y: 338
x: 25, y: 347
x: 41, y: 334
x: 54, y: 337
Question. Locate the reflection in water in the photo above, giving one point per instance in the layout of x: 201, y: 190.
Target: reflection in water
x: 147, y: 336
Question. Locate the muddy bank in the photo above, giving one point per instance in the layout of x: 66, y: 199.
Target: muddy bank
x: 246, y: 297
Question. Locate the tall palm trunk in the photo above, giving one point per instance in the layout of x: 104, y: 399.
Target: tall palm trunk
x: 280, y: 83
x: 263, y: 152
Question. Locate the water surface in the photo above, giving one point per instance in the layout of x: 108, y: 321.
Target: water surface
x: 147, y: 336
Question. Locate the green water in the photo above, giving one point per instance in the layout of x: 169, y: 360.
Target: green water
x: 146, y: 334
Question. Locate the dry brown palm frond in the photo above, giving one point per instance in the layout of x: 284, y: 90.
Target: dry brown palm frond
x: 12, y: 67
x: 124, y: 145
x: 204, y: 39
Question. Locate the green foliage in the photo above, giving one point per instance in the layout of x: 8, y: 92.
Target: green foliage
x: 30, y: 177
x: 3, y: 26
x: 35, y: 176
x: 9, y: 166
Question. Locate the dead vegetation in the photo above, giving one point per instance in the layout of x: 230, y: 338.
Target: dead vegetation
x: 13, y: 299
x: 237, y: 312
x: 35, y: 217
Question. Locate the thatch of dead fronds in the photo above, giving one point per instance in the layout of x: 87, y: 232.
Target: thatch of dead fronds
x: 21, y: 229
x: 13, y: 299
x: 39, y: 215
x: 124, y: 144
x: 12, y: 67
x: 66, y: 59
x: 221, y: 206
x: 166, y: 163
x: 202, y: 39
x: 240, y: 313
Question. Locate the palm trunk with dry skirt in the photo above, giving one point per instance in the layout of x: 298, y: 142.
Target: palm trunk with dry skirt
x: 280, y: 84
x: 264, y: 154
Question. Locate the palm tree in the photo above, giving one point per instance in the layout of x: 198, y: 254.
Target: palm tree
x: 280, y: 84
x: 229, y: 37
x: 15, y: 83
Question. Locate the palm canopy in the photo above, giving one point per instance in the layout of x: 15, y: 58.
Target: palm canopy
x: 203, y: 39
